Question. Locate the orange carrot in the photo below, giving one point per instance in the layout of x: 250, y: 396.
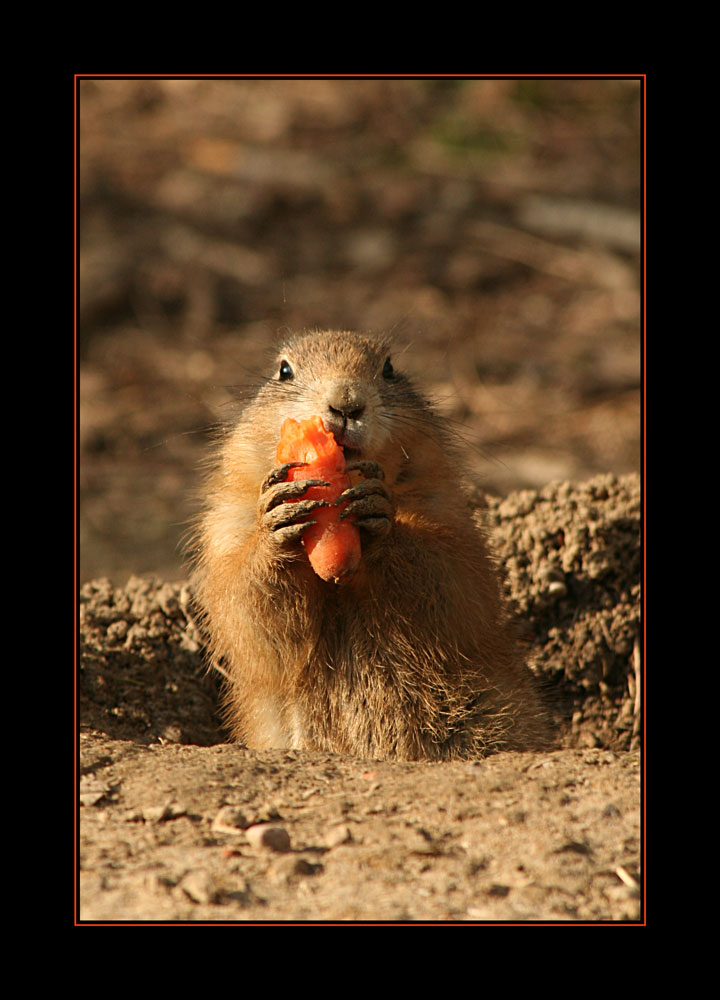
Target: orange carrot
x: 333, y: 546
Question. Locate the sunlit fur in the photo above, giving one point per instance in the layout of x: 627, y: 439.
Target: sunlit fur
x: 409, y: 658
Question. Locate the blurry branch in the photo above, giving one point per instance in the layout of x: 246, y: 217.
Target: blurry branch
x: 590, y: 266
x: 592, y: 222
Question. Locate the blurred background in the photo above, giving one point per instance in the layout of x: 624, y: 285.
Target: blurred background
x: 493, y: 225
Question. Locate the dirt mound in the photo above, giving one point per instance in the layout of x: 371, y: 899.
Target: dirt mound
x: 142, y: 675
x: 571, y: 556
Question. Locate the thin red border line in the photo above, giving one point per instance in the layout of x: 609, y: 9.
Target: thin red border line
x: 643, y: 486
x: 360, y: 76
x: 75, y: 479
x: 641, y: 77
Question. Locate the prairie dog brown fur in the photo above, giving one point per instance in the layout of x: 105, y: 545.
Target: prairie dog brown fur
x: 410, y: 657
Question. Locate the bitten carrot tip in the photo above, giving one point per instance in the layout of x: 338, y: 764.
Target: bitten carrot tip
x: 332, y: 545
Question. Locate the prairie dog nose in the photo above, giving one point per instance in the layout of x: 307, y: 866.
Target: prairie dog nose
x: 347, y: 413
x: 346, y: 402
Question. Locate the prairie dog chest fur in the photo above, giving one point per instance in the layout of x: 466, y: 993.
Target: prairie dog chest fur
x: 408, y: 657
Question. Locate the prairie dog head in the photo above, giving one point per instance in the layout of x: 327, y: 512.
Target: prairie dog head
x: 350, y: 382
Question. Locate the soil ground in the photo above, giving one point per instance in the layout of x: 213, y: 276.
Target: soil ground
x: 494, y: 225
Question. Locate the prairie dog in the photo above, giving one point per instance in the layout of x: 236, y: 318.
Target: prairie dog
x: 409, y: 657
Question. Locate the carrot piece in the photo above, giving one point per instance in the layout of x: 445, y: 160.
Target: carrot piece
x: 333, y: 546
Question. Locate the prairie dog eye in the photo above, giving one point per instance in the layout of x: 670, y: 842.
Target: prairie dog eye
x: 388, y: 370
x: 286, y: 372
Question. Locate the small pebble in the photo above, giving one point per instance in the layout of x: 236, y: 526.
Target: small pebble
x: 275, y: 838
x: 230, y: 819
x: 117, y: 631
x: 338, y: 835
x: 158, y: 814
x: 92, y: 790
x: 200, y: 887
x: 289, y: 868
